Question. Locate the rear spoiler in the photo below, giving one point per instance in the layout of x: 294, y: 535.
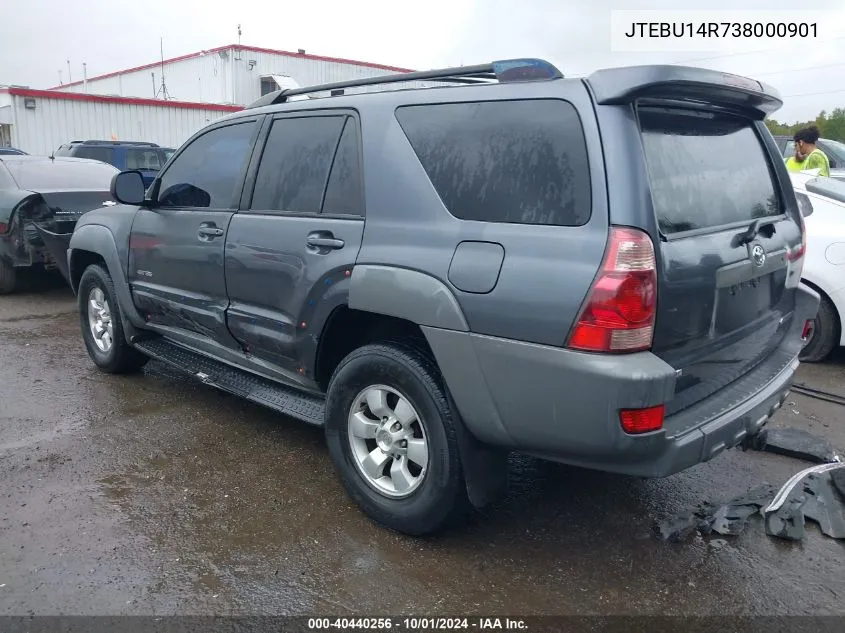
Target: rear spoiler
x: 683, y: 83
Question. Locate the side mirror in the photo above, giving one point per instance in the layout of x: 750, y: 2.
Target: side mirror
x: 833, y: 163
x: 127, y: 187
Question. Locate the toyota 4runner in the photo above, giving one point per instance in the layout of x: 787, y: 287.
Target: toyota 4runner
x: 602, y: 272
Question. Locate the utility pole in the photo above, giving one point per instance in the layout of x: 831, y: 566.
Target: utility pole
x: 163, y: 90
x: 69, y: 80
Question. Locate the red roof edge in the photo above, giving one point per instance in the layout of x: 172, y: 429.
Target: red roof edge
x: 254, y: 49
x: 160, y: 103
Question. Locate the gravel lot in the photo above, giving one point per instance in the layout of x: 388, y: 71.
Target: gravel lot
x: 154, y: 494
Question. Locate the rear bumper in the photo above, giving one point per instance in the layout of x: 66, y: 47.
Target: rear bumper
x: 564, y: 405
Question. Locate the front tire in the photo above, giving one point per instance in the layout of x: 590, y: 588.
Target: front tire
x: 392, y: 438
x: 102, y: 326
x: 825, y: 336
x: 8, y: 278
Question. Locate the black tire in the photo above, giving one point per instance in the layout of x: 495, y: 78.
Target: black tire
x: 441, y: 497
x: 121, y: 358
x: 8, y: 278
x: 825, y: 336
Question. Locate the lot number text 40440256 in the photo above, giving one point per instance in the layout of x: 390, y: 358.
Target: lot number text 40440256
x: 417, y: 624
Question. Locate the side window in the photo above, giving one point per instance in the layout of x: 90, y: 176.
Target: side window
x: 295, y: 164
x: 206, y: 173
x: 102, y: 154
x: 343, y: 193
x: 522, y: 162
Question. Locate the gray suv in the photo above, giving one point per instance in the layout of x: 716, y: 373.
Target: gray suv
x: 602, y: 272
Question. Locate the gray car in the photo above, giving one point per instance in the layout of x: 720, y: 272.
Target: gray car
x: 834, y: 150
x: 602, y: 272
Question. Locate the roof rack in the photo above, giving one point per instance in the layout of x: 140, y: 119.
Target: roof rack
x: 103, y: 142
x: 505, y: 71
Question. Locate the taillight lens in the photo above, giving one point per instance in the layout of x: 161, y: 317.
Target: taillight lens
x: 806, y: 208
x: 620, y: 309
x: 3, y: 227
x: 642, y: 420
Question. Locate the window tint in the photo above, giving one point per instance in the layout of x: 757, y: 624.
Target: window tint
x: 295, y: 164
x: 343, y: 193
x: 206, y: 173
x: 60, y: 174
x: 705, y: 170
x: 146, y: 159
x: 103, y: 154
x: 504, y: 161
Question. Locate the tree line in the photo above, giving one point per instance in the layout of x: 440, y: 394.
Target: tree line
x: 831, y: 125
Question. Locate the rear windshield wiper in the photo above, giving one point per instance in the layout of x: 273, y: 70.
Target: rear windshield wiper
x: 754, y: 229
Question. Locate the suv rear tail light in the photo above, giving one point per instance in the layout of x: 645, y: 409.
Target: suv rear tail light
x: 805, y: 206
x: 619, y: 313
x: 3, y: 227
x: 642, y: 420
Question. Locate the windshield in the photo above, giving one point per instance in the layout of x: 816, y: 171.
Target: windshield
x: 39, y: 175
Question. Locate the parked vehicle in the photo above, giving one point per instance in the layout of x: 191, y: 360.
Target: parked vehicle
x: 603, y: 272
x: 824, y: 268
x: 834, y: 150
x: 11, y: 151
x: 148, y: 158
x: 50, y: 194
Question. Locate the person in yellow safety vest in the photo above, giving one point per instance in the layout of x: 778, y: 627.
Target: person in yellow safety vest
x: 807, y: 155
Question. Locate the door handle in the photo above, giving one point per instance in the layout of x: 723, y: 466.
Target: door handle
x: 209, y: 231
x: 324, y: 240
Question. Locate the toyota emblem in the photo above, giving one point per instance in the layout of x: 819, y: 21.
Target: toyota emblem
x: 758, y: 255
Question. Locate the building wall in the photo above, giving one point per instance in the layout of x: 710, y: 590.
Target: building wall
x: 226, y: 76
x: 56, y: 120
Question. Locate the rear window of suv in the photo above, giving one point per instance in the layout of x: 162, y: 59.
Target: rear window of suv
x: 705, y: 169
x: 522, y: 161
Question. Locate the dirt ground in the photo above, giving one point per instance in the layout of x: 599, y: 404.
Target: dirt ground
x: 154, y: 494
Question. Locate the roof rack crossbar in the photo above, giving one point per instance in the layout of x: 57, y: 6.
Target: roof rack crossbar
x: 505, y: 71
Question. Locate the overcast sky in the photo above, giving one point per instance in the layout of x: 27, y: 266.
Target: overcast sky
x: 39, y: 35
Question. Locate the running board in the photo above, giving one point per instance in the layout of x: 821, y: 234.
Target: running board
x: 286, y: 400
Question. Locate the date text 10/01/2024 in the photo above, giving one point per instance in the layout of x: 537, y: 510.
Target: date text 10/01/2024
x: 417, y: 624
x: 723, y: 30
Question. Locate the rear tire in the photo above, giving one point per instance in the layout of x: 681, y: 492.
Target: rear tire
x: 397, y: 393
x: 825, y: 336
x: 8, y: 278
x: 102, y: 325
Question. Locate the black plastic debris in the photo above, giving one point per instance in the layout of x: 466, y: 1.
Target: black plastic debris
x: 795, y: 443
x: 837, y: 477
x: 812, y: 494
x: 729, y: 518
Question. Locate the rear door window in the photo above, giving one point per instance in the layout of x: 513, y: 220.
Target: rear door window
x: 144, y: 159
x: 295, y: 164
x: 706, y: 170
x: 522, y: 162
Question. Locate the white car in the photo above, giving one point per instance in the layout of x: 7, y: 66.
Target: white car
x: 824, y: 263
